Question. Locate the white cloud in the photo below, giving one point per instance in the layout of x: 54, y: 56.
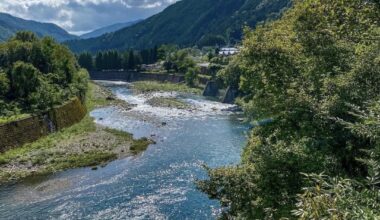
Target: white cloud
x: 83, y: 15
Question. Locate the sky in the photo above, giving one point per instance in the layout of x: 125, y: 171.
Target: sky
x: 81, y: 16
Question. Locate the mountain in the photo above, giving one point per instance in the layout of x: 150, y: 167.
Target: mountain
x: 108, y: 29
x: 189, y: 22
x: 10, y: 25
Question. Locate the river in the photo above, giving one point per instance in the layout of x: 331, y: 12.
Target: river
x: 158, y: 184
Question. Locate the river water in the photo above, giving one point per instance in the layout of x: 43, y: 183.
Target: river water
x: 158, y: 184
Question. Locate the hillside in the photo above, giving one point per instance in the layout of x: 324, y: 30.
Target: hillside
x: 108, y: 29
x: 188, y: 22
x: 9, y: 25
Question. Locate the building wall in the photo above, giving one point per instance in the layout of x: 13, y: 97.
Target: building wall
x: 20, y: 132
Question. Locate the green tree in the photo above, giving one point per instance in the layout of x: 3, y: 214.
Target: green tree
x: 24, y: 79
x: 300, y: 72
x: 191, y: 76
x: 99, y: 62
x: 37, y: 74
x: 131, y: 60
x: 326, y: 197
x: 4, y: 84
x: 25, y: 36
x: 85, y: 60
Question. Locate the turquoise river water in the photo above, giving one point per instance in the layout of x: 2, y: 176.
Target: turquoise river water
x: 158, y: 184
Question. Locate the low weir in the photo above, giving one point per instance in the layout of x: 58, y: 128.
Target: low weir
x: 211, y: 88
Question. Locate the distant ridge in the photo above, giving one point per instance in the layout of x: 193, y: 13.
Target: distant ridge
x: 10, y: 25
x: 108, y: 29
x: 189, y: 22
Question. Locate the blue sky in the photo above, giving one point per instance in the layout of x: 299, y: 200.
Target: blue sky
x: 80, y: 16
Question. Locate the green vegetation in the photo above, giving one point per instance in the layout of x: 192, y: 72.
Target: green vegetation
x: 140, y: 145
x: 316, y: 74
x: 10, y: 25
x: 168, y: 103
x: 152, y: 86
x: 189, y: 22
x: 4, y: 120
x: 37, y: 74
x: 115, y: 60
x: 84, y: 144
x: 178, y: 60
x: 191, y: 76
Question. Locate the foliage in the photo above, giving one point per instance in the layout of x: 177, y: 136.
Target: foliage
x: 179, y: 60
x: 300, y: 72
x: 342, y: 198
x: 191, y: 76
x: 115, y: 60
x: 211, y: 40
x: 230, y: 75
x: 4, y: 84
x: 85, y: 60
x: 187, y: 23
x: 37, y: 74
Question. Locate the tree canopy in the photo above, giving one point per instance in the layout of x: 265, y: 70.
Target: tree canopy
x: 307, y: 72
x: 36, y: 74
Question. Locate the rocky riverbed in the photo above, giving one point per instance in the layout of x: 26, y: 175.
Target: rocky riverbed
x: 84, y: 144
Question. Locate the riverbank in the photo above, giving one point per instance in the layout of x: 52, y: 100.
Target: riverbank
x: 154, y: 86
x: 84, y: 144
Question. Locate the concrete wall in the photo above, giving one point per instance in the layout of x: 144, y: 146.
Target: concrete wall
x: 211, y: 89
x: 131, y: 76
x: 30, y: 129
x: 230, y: 96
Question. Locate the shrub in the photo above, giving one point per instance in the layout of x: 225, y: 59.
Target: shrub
x: 191, y: 76
x: 4, y: 84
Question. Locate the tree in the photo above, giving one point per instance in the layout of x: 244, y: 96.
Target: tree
x: 168, y: 65
x: 37, y: 74
x: 4, y: 84
x: 230, y: 75
x: 24, y: 79
x: 342, y: 198
x: 131, y: 60
x: 191, y: 76
x: 25, y: 36
x: 212, y: 40
x: 85, y: 61
x: 99, y: 62
x: 300, y: 72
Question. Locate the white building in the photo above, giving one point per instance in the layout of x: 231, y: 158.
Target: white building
x: 228, y: 51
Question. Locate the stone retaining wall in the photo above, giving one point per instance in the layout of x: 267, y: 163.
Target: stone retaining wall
x: 17, y: 133
x: 131, y: 76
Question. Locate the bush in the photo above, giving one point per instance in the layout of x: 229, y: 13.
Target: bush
x: 24, y: 79
x: 191, y: 76
x: 4, y: 84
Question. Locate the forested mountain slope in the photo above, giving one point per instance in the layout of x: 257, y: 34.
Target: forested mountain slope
x: 189, y: 22
x: 9, y: 25
x: 108, y: 29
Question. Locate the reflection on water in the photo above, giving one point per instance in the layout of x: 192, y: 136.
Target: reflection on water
x: 159, y: 184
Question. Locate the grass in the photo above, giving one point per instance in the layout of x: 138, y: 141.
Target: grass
x: 168, y: 103
x: 4, y: 120
x: 153, y: 86
x: 81, y: 145
x: 204, y: 76
x: 140, y: 145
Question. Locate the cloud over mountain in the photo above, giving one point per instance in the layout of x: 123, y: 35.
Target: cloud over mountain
x: 78, y: 16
